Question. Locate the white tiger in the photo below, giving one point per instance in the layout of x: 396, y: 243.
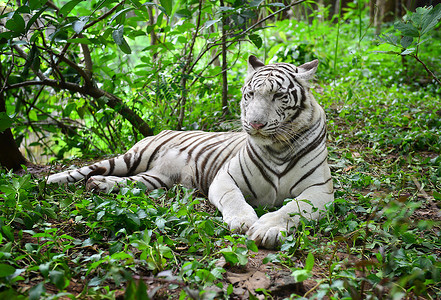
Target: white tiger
x: 280, y: 154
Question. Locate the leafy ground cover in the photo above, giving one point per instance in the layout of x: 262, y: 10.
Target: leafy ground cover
x: 379, y: 239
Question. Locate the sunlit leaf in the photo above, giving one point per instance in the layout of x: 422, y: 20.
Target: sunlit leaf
x: 309, y: 263
x: 408, y: 51
x: 79, y: 24
x: 301, y: 275
x: 167, y: 5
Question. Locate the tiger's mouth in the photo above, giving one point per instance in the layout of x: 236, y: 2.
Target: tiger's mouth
x: 261, y: 133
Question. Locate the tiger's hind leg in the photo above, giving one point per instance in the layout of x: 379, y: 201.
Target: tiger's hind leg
x: 151, y: 179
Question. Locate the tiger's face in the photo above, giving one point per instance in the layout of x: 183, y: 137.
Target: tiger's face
x: 276, y: 99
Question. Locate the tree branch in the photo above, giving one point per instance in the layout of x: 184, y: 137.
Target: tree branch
x: 427, y: 69
x: 87, y: 62
x: 111, y: 100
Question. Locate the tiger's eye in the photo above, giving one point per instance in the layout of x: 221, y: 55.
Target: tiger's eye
x: 279, y: 95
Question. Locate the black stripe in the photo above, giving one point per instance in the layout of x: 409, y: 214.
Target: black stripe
x: 217, y: 164
x: 153, y: 154
x: 162, y: 183
x: 213, y: 147
x: 189, y: 135
x: 317, y: 155
x: 250, y: 188
x: 112, y: 165
x: 148, y: 181
x: 139, y: 159
x: 261, y: 169
x: 127, y: 158
x: 307, y: 174
x: 318, y: 184
x: 307, y: 149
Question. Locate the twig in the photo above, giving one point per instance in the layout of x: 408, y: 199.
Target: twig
x: 427, y: 69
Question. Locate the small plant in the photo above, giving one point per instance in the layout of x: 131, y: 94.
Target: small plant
x: 414, y: 30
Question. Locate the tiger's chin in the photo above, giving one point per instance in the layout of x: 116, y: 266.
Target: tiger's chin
x: 273, y: 138
x: 262, y: 138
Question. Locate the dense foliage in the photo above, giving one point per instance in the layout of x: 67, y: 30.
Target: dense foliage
x: 380, y: 237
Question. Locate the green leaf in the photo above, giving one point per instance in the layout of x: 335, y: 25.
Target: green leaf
x: 5, y: 121
x: 116, y: 247
x: 6, y: 270
x: 44, y: 269
x: 183, y: 13
x: 36, y: 291
x: 80, y: 41
x: 66, y: 9
x: 408, y: 51
x: 390, y: 39
x: 57, y: 278
x: 407, y: 29
x: 251, y: 245
x: 32, y: 61
x: 406, y: 41
x: 16, y: 24
x: 7, y: 230
x: 255, y: 3
x: 79, y: 24
x: 123, y: 11
x: 167, y: 5
x: 118, y: 37
x: 256, y: 39
x: 301, y: 275
x: 35, y: 4
x: 309, y: 264
x: 431, y: 19
x: 141, y: 291
x: 230, y: 256
x: 437, y: 195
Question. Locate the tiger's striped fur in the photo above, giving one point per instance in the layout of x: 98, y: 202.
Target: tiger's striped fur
x: 280, y: 154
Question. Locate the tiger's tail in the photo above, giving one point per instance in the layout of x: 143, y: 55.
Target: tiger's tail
x: 114, y: 166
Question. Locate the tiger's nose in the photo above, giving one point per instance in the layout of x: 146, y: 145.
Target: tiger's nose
x: 257, y: 125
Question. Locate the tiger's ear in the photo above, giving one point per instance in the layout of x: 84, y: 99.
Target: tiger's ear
x: 307, y: 70
x: 254, y: 64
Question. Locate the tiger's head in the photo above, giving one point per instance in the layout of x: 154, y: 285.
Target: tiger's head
x: 276, y: 100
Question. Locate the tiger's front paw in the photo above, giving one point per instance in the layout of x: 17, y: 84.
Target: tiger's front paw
x: 267, y: 231
x: 240, y: 223
x: 103, y: 184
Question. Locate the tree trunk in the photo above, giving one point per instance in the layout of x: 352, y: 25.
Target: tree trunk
x: 225, y: 110
x: 10, y: 157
